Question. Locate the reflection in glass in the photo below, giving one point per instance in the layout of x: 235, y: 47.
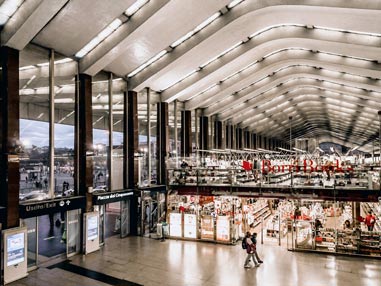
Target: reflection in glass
x: 34, y: 126
x: 100, y: 132
x: 64, y: 127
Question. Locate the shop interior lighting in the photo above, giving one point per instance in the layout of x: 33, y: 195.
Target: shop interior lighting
x: 99, y: 38
x: 146, y: 64
x: 135, y: 7
x: 7, y: 9
x: 117, y: 122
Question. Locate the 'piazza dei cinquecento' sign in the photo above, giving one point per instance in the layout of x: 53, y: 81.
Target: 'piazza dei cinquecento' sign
x: 306, y: 165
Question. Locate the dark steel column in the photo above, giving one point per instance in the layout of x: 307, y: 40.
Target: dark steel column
x: 246, y: 139
x: 10, y: 135
x: 217, y: 134
x: 84, y: 138
x: 204, y: 138
x: 162, y: 141
x: 239, y: 133
x: 227, y: 136
x: 130, y: 139
x: 186, y: 133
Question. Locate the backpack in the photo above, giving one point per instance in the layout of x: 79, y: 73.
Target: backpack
x: 244, y: 244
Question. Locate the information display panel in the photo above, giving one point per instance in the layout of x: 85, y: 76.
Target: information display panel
x: 15, y: 251
x: 15, y: 248
x: 92, y: 231
x: 92, y: 227
x: 175, y: 224
x: 190, y: 226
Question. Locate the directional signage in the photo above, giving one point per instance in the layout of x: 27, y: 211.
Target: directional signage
x: 111, y: 197
x: 33, y: 209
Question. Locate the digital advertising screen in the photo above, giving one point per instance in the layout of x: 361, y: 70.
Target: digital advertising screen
x: 15, y: 248
x: 92, y: 227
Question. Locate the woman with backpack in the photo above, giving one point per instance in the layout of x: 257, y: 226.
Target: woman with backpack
x: 248, y: 244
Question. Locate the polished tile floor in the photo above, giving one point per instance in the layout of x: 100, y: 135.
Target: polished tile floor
x: 143, y: 261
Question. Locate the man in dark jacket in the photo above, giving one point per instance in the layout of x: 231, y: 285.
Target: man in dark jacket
x: 254, y: 240
x: 250, y: 250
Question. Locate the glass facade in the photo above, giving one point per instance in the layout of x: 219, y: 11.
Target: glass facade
x: 101, y: 142
x: 34, y: 124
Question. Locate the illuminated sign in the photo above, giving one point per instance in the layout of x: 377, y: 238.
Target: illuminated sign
x: 306, y: 166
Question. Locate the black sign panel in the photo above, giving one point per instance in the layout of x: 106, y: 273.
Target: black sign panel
x: 34, y: 209
x: 154, y: 188
x: 111, y: 197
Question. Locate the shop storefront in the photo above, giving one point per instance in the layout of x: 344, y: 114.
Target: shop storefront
x: 53, y: 228
x: 114, y: 213
x: 222, y: 219
x: 308, y: 225
x: 152, y: 209
x: 337, y: 227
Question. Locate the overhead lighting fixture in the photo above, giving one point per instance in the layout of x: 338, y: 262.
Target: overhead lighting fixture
x: 146, y: 64
x: 7, y: 9
x: 207, y: 22
x: 117, y: 122
x: 29, y: 81
x: 99, y: 38
x: 65, y: 117
x: 26, y: 68
x: 63, y: 61
x: 135, y: 7
x: 234, y: 3
x: 182, y: 39
x: 63, y: 100
x: 43, y: 64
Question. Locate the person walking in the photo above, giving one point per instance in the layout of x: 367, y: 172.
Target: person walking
x: 370, y: 221
x: 250, y: 249
x: 254, y: 240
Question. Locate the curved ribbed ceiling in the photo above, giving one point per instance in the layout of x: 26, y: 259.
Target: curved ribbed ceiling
x: 253, y: 65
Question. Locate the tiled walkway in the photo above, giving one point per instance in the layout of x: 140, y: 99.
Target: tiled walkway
x: 143, y: 261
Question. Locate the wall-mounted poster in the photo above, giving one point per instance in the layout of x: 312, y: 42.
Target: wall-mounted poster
x: 15, y: 248
x: 223, y: 228
x: 190, y: 226
x: 175, y: 224
x: 207, y: 227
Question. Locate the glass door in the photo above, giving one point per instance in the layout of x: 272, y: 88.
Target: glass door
x: 51, y: 236
x: 101, y: 224
x: 31, y: 224
x: 124, y: 218
x: 72, y: 232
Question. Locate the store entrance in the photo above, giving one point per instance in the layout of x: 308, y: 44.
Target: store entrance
x: 114, y: 220
x: 152, y: 212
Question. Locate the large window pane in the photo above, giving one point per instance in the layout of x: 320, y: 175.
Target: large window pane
x: 64, y: 101
x: 34, y: 123
x: 119, y: 86
x: 100, y: 131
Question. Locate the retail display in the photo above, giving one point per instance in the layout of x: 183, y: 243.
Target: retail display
x: 215, y: 218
